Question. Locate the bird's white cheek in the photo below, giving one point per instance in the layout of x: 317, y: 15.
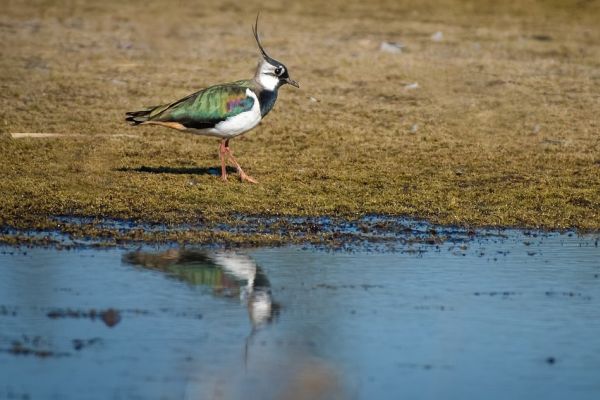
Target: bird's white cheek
x: 269, y: 82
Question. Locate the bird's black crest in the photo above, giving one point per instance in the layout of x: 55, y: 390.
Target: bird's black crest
x: 262, y: 50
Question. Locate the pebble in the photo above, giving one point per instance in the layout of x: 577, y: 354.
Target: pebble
x: 437, y: 37
x: 391, y: 47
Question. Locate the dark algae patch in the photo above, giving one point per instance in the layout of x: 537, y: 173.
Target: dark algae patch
x: 501, y: 130
x: 79, y: 344
x: 35, y: 346
x: 110, y: 317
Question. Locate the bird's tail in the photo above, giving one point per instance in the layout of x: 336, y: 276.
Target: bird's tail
x: 138, y: 117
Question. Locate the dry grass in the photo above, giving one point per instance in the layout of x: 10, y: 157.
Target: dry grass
x: 503, y: 129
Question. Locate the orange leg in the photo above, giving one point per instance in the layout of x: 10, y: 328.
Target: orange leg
x: 224, y: 150
x: 222, y: 153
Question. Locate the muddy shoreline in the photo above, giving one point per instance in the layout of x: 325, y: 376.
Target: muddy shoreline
x: 368, y: 232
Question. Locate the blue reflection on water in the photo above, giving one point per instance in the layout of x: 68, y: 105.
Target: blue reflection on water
x: 502, y: 317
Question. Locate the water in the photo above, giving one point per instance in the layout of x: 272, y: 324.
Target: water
x: 499, y: 318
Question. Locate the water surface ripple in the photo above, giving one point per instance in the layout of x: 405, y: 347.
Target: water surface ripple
x: 502, y: 316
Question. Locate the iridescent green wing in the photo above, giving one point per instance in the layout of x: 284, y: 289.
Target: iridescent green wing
x: 206, y: 108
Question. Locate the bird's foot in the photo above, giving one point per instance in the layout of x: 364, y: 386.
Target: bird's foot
x: 225, y: 152
x: 247, y: 178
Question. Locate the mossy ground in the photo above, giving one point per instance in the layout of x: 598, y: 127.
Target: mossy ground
x: 502, y: 130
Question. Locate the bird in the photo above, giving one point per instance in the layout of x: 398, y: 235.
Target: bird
x: 225, y: 110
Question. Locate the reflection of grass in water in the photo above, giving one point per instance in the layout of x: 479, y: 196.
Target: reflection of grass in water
x: 502, y: 130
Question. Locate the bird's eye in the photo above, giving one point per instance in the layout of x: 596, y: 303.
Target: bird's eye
x: 278, y: 71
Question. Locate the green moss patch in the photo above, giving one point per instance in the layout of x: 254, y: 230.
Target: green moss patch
x: 502, y: 129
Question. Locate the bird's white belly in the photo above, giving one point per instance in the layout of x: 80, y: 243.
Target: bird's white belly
x: 237, y: 124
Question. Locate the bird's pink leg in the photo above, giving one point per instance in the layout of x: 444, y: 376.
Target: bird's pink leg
x: 243, y: 175
x: 222, y: 152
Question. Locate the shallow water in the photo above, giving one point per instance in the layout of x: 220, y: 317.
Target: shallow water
x: 513, y: 316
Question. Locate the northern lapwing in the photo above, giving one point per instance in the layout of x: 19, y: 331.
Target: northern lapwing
x: 224, y: 111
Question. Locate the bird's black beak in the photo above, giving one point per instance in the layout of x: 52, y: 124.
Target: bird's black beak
x: 292, y: 82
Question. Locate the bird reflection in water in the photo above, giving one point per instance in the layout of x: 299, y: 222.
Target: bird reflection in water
x: 237, y: 276
x: 229, y: 274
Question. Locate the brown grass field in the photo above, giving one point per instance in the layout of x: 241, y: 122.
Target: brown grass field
x: 502, y: 130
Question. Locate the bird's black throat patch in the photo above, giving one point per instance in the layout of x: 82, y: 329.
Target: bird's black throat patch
x: 266, y: 98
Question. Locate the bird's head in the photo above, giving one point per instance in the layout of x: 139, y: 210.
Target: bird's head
x: 271, y: 74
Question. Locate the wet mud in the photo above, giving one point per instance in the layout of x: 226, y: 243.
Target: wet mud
x: 372, y: 232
